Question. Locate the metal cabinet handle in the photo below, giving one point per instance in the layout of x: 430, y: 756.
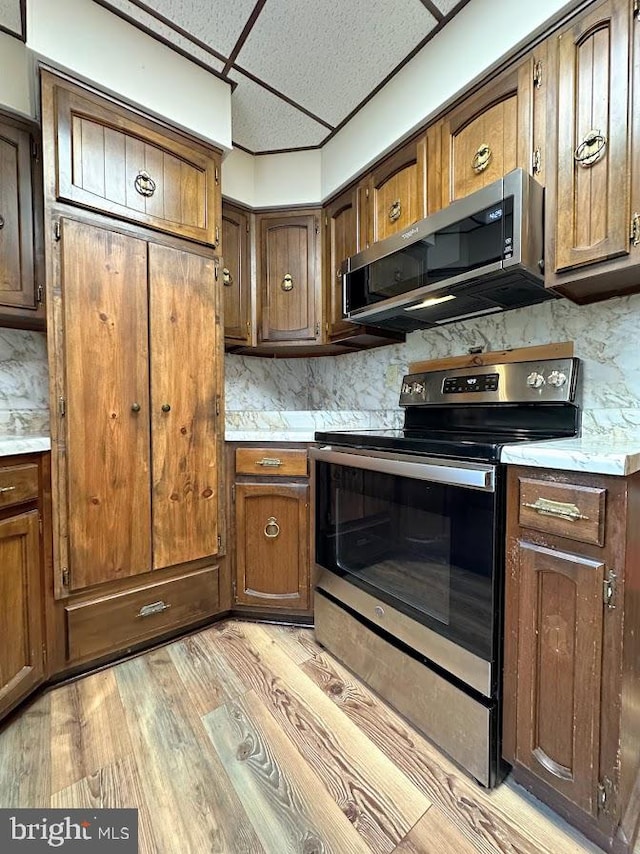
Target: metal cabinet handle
x: 272, y: 462
x: 287, y: 283
x: 271, y: 529
x: 395, y: 210
x: 547, y: 507
x: 482, y: 158
x: 144, y: 184
x: 153, y: 608
x: 165, y: 407
x: 590, y: 149
x: 227, y: 278
x: 7, y: 489
x: 135, y: 407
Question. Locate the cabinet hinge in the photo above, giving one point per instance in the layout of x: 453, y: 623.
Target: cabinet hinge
x: 317, y: 328
x: 40, y: 523
x: 219, y: 543
x: 217, y: 234
x: 233, y: 493
x: 66, y: 577
x: 215, y: 271
x: 35, y: 151
x: 234, y: 586
x: 636, y: 9
x: 609, y: 589
x: 326, y: 221
x: 40, y: 294
x: 44, y: 655
x: 537, y: 74
x: 605, y: 792
x: 366, y: 193
x: 634, y: 231
x: 217, y: 407
x: 56, y: 230
x: 62, y: 407
x: 217, y: 175
x: 536, y: 162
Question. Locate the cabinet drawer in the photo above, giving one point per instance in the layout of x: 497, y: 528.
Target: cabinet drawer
x: 565, y: 509
x: 18, y: 484
x: 113, y: 622
x: 109, y: 160
x: 291, y: 462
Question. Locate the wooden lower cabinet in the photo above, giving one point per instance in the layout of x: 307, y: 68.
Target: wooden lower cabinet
x: 572, y: 652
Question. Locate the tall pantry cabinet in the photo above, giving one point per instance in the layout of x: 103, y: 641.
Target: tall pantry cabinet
x: 132, y: 222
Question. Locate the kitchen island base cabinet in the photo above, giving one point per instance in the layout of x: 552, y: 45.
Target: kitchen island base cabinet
x: 572, y: 651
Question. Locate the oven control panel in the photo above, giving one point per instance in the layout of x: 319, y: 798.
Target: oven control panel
x: 542, y: 381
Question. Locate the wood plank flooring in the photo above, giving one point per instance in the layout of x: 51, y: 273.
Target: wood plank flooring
x: 251, y: 738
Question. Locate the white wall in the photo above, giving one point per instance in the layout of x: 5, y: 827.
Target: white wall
x: 15, y: 88
x: 90, y: 41
x: 288, y: 179
x: 238, y: 176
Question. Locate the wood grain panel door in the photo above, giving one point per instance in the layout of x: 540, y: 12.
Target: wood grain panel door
x: 272, y: 545
x: 236, y: 275
x: 288, y: 277
x: 396, y: 193
x: 559, y: 664
x: 341, y: 223
x: 106, y: 423
x: 21, y: 661
x: 593, y: 159
x: 184, y: 351
x: 17, y: 276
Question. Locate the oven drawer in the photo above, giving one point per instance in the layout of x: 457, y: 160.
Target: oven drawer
x: 18, y: 484
x: 278, y: 462
x: 111, y: 623
x: 565, y: 509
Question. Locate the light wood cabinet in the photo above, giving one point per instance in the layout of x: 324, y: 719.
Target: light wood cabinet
x: 21, y: 590
x: 21, y: 294
x: 571, y: 656
x: 593, y: 190
x: 236, y: 276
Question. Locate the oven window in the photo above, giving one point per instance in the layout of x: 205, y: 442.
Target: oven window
x: 425, y: 548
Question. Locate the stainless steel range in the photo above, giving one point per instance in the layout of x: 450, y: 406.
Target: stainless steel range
x: 410, y: 545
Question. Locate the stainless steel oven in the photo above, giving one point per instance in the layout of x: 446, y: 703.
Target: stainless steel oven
x: 409, y: 543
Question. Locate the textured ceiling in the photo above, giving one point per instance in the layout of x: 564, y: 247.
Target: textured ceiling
x: 300, y: 68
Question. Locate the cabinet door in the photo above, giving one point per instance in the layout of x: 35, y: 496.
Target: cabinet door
x: 592, y: 207
x: 341, y: 241
x: 17, y: 277
x: 236, y: 276
x: 559, y: 663
x: 184, y: 389
x: 488, y: 135
x: 289, y: 278
x: 21, y: 665
x: 396, y: 194
x: 106, y: 423
x: 272, y: 545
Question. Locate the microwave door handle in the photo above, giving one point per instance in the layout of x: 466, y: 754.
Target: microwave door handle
x: 448, y: 474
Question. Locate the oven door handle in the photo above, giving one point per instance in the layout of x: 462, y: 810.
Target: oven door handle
x: 449, y: 473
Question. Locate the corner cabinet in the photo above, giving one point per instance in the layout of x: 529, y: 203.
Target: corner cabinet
x: 21, y: 291
x: 572, y: 657
x: 593, y: 189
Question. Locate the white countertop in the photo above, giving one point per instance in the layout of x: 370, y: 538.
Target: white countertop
x: 13, y: 445
x: 596, y: 454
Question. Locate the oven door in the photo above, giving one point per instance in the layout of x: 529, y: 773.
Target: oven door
x: 416, y: 533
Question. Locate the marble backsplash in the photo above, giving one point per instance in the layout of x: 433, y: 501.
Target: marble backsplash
x: 24, y: 383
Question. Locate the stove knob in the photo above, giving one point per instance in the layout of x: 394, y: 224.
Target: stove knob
x: 557, y: 379
x: 535, y: 380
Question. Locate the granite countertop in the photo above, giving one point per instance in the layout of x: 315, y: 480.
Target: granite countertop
x: 12, y: 445
x: 269, y: 435
x: 595, y: 454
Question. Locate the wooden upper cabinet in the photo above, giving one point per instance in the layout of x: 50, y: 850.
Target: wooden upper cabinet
x: 341, y: 220
x: 236, y: 275
x: 289, y: 277
x: 595, y: 128
x: 19, y: 295
x: 395, y: 194
x: 490, y: 133
x: 112, y: 160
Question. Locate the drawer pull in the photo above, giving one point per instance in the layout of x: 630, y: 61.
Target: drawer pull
x: 269, y: 462
x: 271, y: 529
x: 7, y: 489
x: 547, y: 507
x: 144, y: 184
x: 153, y: 608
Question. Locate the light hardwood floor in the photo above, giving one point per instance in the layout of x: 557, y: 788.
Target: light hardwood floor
x: 250, y: 738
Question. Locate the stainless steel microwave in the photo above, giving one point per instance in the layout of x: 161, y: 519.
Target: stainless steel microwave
x: 482, y: 254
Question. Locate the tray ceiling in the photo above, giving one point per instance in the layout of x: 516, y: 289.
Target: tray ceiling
x: 300, y: 68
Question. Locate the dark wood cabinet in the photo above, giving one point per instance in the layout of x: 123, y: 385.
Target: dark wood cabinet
x: 21, y: 293
x: 272, y: 553
x: 571, y: 653
x: 342, y: 223
x: 236, y: 275
x: 289, y: 277
x: 21, y: 589
x: 593, y: 190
